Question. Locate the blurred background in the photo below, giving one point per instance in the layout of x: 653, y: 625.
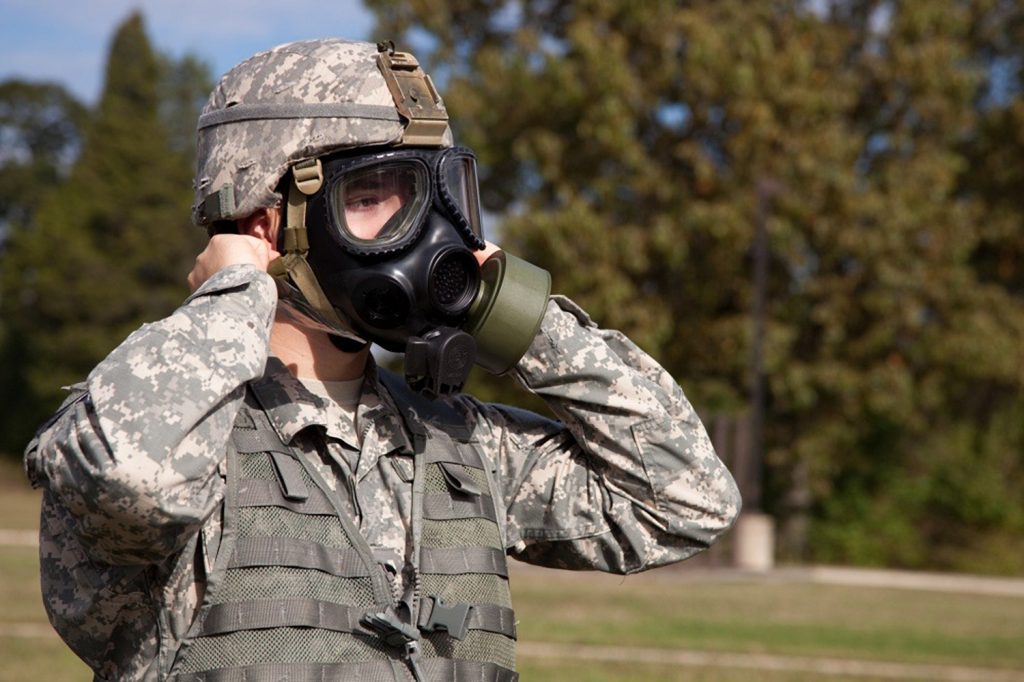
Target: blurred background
x: 810, y: 211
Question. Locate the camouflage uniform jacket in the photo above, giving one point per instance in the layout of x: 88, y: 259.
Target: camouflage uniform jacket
x: 625, y: 480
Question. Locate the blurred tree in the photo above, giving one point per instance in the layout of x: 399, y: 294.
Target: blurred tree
x: 937, y: 343
x: 624, y: 145
x: 185, y: 84
x: 40, y: 131
x: 983, y: 492
x: 108, y: 248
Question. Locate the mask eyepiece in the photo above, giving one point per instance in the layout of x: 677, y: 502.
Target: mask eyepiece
x: 376, y: 203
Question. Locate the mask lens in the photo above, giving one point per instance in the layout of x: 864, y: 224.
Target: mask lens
x: 461, y: 184
x: 378, y: 205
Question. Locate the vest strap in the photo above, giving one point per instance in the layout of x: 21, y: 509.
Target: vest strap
x: 289, y: 475
x: 289, y: 472
x: 255, y: 492
x: 260, y: 551
x: 276, y: 613
x: 441, y: 507
x: 458, y: 480
x: 458, y: 560
x: 493, y: 618
x: 453, y: 669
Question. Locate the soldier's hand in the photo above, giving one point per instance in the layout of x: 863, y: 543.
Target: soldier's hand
x: 224, y: 250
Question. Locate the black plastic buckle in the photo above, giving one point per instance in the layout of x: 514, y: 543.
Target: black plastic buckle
x: 452, y: 619
x: 393, y: 631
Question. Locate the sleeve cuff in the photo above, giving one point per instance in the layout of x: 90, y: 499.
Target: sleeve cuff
x: 234, y: 278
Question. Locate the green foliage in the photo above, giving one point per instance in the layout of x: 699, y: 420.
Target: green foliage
x: 628, y: 147
x: 108, y: 248
x: 40, y: 129
x: 40, y: 133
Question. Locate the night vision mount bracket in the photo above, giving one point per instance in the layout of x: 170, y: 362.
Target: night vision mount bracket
x: 415, y: 96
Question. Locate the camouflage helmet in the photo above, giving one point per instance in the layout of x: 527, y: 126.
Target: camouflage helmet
x: 298, y: 102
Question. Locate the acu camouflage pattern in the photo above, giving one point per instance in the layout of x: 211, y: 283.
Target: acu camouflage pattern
x: 624, y: 481
x: 251, y: 156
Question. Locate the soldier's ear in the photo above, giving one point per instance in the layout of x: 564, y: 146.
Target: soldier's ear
x: 263, y: 223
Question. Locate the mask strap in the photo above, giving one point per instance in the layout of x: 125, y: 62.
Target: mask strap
x: 307, y: 178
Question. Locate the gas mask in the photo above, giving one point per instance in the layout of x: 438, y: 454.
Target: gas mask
x: 391, y: 237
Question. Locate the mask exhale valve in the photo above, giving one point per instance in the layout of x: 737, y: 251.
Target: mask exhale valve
x: 439, y: 362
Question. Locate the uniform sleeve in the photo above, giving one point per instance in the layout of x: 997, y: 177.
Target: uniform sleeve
x: 626, y: 479
x: 133, y: 456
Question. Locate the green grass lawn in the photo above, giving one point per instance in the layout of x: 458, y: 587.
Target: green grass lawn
x: 19, y: 504
x: 584, y: 671
x: 779, y: 618
x: 28, y: 648
x: 666, y: 609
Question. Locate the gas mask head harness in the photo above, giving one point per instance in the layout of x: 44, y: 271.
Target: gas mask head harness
x: 378, y: 246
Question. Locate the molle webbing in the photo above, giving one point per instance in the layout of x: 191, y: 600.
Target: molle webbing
x: 465, y: 601
x: 264, y: 613
x: 251, y: 552
x: 294, y: 582
x: 255, y: 493
x: 443, y: 507
x: 460, y: 560
x: 375, y: 671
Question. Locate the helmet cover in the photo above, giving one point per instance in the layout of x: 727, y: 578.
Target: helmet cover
x: 294, y: 102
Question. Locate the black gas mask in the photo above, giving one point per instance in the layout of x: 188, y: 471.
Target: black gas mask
x: 391, y: 237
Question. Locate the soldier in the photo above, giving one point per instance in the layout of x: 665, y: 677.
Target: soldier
x: 237, y: 492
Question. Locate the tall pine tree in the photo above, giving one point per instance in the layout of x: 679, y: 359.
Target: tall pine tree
x: 108, y: 249
x: 40, y: 133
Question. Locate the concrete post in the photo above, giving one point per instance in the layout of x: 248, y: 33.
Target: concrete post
x: 754, y: 542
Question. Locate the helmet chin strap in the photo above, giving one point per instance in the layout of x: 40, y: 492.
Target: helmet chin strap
x: 292, y: 271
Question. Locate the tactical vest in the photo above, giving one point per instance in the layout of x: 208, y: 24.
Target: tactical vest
x: 296, y: 594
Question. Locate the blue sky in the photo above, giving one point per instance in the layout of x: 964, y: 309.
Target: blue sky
x: 66, y: 41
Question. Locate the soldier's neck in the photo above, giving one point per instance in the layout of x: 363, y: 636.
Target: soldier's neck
x: 309, y: 354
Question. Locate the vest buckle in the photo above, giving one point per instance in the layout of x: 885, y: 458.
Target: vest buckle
x: 389, y: 628
x: 452, y: 619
